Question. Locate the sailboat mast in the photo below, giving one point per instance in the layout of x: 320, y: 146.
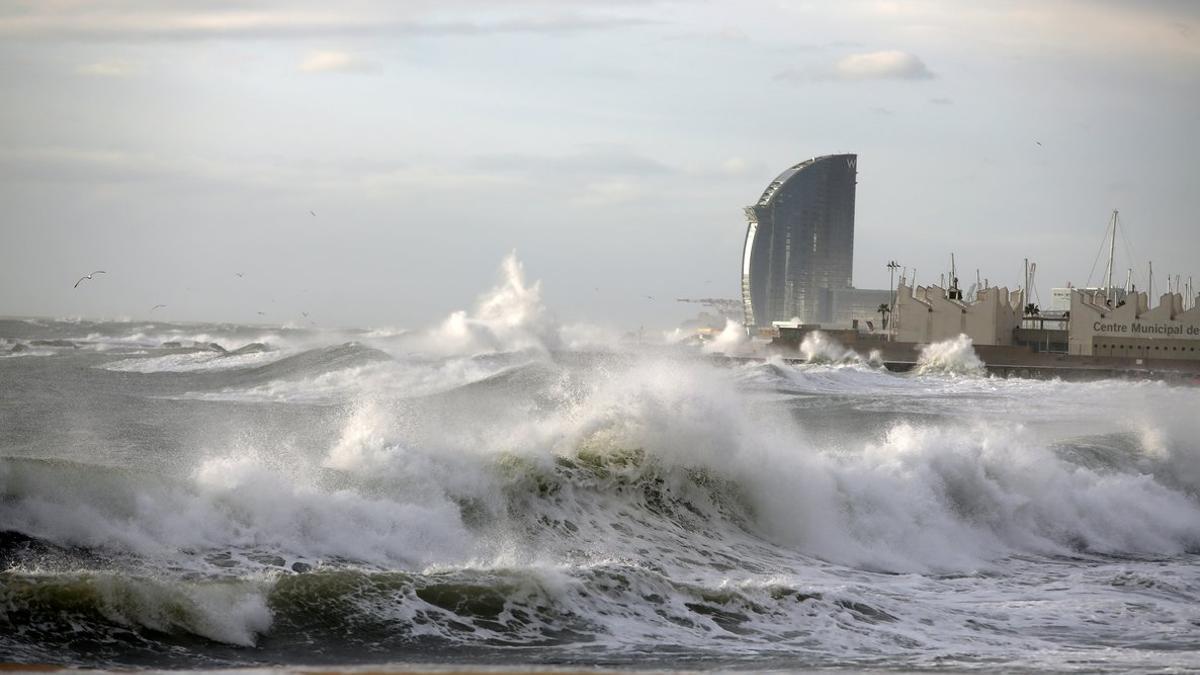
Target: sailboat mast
x: 1112, y: 250
x: 1025, y: 287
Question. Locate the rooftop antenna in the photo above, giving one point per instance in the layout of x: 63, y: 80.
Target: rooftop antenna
x: 1150, y: 282
x: 1129, y: 280
x: 892, y: 265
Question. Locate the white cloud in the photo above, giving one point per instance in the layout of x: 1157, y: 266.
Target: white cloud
x: 333, y: 62
x: 109, y: 69
x: 735, y: 165
x: 882, y: 65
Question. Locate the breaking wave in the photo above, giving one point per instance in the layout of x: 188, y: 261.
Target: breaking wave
x: 477, y: 486
x: 950, y: 357
x: 509, y: 317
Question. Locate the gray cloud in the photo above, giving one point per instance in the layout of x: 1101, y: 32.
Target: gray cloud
x: 591, y: 162
x: 217, y: 21
x: 566, y: 140
x: 114, y: 68
x: 328, y: 61
x: 74, y: 165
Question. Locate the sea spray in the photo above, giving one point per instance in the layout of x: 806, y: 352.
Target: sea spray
x: 950, y: 357
x: 731, y: 340
x: 818, y: 348
x: 491, y: 503
x: 509, y: 317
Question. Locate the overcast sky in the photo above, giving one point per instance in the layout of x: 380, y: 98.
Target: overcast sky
x: 611, y: 144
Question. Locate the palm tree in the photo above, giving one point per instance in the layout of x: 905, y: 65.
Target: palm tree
x: 884, y: 310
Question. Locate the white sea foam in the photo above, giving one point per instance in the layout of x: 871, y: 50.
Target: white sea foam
x: 387, y: 379
x: 192, y: 361
x: 666, y: 499
x: 509, y: 317
x: 241, y: 501
x: 731, y: 340
x: 818, y: 347
x: 919, y: 498
x: 950, y: 357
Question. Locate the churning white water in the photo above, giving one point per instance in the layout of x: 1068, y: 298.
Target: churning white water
x: 482, y: 492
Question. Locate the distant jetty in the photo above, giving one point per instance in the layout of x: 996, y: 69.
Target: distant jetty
x: 1000, y: 360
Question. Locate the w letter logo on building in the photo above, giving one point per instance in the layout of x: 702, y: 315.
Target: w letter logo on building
x: 850, y: 162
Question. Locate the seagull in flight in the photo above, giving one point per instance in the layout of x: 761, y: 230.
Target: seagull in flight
x: 312, y: 214
x: 88, y: 276
x: 239, y: 274
x: 648, y: 297
x: 157, y: 307
x: 1039, y: 144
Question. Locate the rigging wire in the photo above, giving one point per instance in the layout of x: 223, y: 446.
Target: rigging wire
x: 1097, y: 260
x: 1137, y: 276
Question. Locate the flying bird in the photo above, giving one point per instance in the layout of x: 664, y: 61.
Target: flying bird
x: 239, y: 274
x: 160, y: 306
x: 312, y: 214
x: 305, y: 314
x: 1039, y: 144
x: 262, y: 313
x: 87, y: 276
x: 648, y: 297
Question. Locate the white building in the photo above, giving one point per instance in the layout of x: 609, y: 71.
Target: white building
x: 926, y: 314
x: 1131, y: 328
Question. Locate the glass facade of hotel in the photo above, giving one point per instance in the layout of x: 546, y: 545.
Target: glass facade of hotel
x: 800, y: 242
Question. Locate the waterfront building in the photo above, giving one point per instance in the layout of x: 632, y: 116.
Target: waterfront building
x: 1131, y: 328
x: 798, y: 255
x: 926, y: 314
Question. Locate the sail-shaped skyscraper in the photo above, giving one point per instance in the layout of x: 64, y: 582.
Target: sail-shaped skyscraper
x: 798, y: 258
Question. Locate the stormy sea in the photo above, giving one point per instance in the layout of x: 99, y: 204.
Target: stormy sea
x: 501, y: 489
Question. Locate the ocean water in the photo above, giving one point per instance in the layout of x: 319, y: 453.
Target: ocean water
x: 502, y: 489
